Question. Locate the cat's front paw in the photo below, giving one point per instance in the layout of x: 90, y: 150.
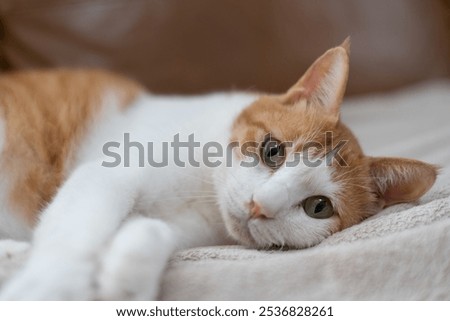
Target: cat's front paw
x: 133, y: 265
x: 50, y: 283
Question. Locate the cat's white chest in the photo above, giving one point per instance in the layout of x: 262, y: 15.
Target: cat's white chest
x: 178, y: 185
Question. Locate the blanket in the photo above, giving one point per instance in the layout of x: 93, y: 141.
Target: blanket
x: 402, y: 253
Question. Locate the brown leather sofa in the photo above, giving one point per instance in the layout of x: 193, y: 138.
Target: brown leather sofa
x: 192, y: 46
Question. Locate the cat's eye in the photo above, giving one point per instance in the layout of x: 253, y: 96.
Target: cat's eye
x: 272, y: 152
x: 318, y: 207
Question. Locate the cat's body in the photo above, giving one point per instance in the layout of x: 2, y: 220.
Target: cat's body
x: 146, y: 118
x: 106, y: 230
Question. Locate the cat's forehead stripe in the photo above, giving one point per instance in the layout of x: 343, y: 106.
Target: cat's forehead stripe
x: 294, y: 124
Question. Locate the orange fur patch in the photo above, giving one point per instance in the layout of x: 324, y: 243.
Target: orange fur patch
x: 46, y: 114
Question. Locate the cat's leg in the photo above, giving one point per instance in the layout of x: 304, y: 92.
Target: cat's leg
x: 75, y: 227
x: 133, y: 264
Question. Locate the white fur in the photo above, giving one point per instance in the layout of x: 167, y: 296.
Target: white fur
x: 141, y: 245
x: 279, y: 196
x: 8, y: 248
x: 82, y: 249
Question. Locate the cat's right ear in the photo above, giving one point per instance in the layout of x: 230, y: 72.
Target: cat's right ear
x: 324, y: 82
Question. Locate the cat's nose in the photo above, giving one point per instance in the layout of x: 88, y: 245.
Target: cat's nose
x: 257, y: 212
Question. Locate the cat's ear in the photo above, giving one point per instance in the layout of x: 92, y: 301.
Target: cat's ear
x: 324, y: 82
x: 400, y: 180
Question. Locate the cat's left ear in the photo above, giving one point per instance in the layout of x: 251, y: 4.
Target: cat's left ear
x: 401, y: 180
x: 324, y: 82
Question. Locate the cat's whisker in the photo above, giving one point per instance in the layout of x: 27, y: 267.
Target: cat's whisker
x: 346, y: 173
x: 357, y: 185
x: 193, y: 197
x: 198, y: 178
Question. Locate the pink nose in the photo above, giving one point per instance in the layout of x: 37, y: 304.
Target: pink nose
x: 256, y: 211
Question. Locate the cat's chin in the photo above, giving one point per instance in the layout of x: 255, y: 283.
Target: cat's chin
x: 262, y: 235
x: 244, y: 232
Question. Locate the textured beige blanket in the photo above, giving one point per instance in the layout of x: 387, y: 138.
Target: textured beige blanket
x: 402, y: 253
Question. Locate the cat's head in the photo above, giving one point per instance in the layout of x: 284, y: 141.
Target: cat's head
x: 311, y: 178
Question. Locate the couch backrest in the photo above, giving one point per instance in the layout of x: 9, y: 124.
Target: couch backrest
x: 178, y: 46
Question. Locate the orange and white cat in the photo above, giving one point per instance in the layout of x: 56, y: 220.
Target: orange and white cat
x: 103, y: 220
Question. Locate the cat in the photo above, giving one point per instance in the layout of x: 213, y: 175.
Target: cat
x: 77, y: 178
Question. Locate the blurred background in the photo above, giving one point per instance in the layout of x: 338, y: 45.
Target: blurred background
x: 195, y: 46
